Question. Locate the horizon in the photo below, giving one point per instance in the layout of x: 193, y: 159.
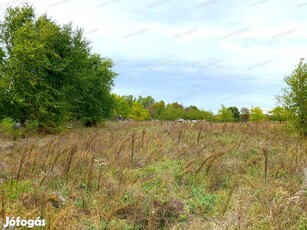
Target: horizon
x: 205, y: 54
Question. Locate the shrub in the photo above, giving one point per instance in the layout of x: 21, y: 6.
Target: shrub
x: 33, y: 126
x: 7, y: 127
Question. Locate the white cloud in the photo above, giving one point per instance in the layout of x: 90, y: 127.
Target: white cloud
x: 257, y: 40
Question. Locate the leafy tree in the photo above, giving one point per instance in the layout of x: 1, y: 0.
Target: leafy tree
x: 28, y: 94
x: 294, y: 96
x: 88, y: 98
x: 2, y: 55
x: 224, y: 114
x: 122, y: 108
x: 257, y: 114
x: 146, y: 101
x: 193, y: 113
x: 50, y: 74
x: 138, y: 112
x: 172, y: 112
x: 156, y: 109
x: 279, y: 114
x: 14, y: 20
x: 207, y: 115
x: 130, y: 99
x: 244, y: 114
x: 235, y: 112
x: 176, y: 105
x: 2, y: 92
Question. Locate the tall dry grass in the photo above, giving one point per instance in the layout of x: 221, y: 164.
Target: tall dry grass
x: 158, y: 175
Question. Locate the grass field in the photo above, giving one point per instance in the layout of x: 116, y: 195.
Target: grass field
x: 158, y: 175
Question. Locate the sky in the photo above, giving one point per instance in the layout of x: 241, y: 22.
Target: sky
x: 202, y: 52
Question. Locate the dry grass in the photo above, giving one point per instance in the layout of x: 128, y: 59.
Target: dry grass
x: 158, y: 175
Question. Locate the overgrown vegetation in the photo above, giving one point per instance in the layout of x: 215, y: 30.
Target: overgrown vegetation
x: 294, y: 97
x: 158, y: 175
x: 230, y: 170
x: 146, y: 108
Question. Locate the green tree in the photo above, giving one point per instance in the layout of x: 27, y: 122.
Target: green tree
x: 207, y: 115
x: 2, y: 92
x: 28, y: 93
x: 235, y: 112
x: 224, y: 115
x: 156, y: 109
x: 50, y: 74
x: 138, y: 112
x: 2, y: 55
x: 279, y: 114
x: 122, y: 108
x: 88, y: 99
x: 130, y: 99
x: 146, y: 101
x: 294, y: 96
x: 193, y: 113
x: 176, y: 105
x: 257, y: 114
x: 172, y: 112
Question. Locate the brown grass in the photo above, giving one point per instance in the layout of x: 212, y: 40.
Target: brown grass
x: 158, y: 175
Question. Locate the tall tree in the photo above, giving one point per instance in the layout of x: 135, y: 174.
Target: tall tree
x: 89, y: 99
x: 2, y: 92
x: 176, y: 105
x: 224, y: 114
x: 138, y: 112
x: 279, y: 114
x: 122, y: 108
x: 156, y: 109
x: 257, y: 114
x: 207, y: 115
x: 146, y: 101
x: 235, y: 112
x: 130, y: 99
x: 294, y: 96
x: 28, y: 92
x: 50, y: 74
x: 172, y: 112
x: 193, y: 113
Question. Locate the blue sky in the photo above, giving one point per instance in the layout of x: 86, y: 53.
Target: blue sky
x: 203, y: 52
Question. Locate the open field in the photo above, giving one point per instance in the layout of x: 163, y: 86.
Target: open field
x: 158, y: 175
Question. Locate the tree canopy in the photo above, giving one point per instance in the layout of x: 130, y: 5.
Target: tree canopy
x: 294, y: 96
x: 48, y: 72
x: 235, y: 112
x: 257, y: 114
x: 279, y: 114
x: 225, y: 114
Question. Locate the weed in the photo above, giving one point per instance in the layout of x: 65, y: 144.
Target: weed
x: 157, y: 175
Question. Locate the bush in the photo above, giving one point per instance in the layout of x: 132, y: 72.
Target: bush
x: 32, y: 126
x: 7, y: 126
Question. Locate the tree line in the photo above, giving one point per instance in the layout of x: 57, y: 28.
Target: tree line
x: 49, y: 76
x: 147, y: 108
